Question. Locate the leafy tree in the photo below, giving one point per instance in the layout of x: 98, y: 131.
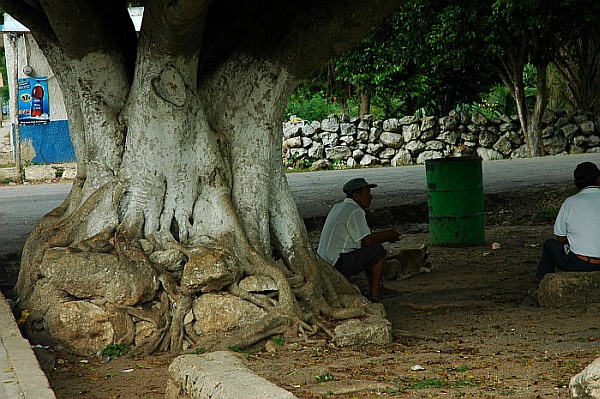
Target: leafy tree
x: 178, y: 137
x: 530, y: 32
x: 430, y: 54
x: 578, y: 59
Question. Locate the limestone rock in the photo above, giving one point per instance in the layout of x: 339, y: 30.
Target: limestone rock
x: 320, y: 164
x: 329, y: 139
x: 79, y: 327
x: 487, y: 154
x: 403, y: 157
x: 217, y: 313
x: 316, y: 150
x: 208, y: 271
x: 373, y: 330
x: 393, y: 140
x: 411, y: 132
x: 330, y: 124
x: 98, y: 275
x: 587, y: 383
x: 338, y: 152
x: 391, y: 125
x: 369, y: 160
x: 170, y: 259
x: 569, y: 289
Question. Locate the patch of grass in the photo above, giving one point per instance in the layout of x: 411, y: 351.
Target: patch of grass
x: 115, y: 350
x: 199, y: 351
x: 279, y: 341
x: 7, y: 180
x: 58, y: 171
x: 237, y: 349
x: 338, y: 164
x: 547, y: 214
x: 325, y: 377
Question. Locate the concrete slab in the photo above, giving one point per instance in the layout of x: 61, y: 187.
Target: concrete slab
x: 218, y: 375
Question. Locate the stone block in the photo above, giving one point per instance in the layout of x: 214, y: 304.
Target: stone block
x: 373, y: 330
x: 569, y: 289
x: 218, y: 375
x: 587, y: 383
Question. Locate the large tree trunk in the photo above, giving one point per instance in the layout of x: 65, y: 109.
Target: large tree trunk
x: 365, y: 103
x: 511, y: 72
x: 181, y: 197
x: 579, y: 64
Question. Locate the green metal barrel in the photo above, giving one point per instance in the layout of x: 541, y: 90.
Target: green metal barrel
x: 455, y: 191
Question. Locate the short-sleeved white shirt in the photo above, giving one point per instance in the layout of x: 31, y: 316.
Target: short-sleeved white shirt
x: 345, y: 227
x: 579, y: 221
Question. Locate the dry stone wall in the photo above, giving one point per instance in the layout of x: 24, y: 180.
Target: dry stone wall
x: 341, y: 140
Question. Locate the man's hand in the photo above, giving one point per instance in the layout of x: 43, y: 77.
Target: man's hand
x: 379, y: 237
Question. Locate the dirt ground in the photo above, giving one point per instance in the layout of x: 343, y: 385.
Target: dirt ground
x: 466, y: 330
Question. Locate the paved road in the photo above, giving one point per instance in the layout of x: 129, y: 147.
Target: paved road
x: 315, y: 193
x: 22, y: 206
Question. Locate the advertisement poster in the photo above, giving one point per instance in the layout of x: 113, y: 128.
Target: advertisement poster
x: 34, y: 106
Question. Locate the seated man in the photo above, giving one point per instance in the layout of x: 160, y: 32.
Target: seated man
x: 577, y: 228
x: 347, y: 243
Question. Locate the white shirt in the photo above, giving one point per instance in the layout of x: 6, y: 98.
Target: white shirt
x: 345, y: 227
x: 579, y: 221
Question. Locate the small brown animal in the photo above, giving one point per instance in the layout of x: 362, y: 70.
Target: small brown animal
x: 406, y: 263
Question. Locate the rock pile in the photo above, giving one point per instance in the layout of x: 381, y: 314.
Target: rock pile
x: 342, y: 140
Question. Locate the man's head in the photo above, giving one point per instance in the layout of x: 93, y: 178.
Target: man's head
x: 586, y: 174
x: 360, y: 191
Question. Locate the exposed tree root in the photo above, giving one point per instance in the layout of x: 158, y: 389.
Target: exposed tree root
x: 273, y: 323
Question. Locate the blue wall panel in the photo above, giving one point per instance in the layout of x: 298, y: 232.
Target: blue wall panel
x: 51, y: 142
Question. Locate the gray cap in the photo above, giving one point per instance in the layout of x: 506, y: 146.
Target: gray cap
x: 356, y: 184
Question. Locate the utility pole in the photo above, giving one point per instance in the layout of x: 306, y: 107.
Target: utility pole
x: 16, y: 128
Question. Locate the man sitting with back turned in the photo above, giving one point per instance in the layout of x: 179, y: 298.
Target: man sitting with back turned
x: 347, y: 242
x: 576, y: 247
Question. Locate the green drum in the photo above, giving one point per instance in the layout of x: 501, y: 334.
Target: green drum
x: 455, y: 190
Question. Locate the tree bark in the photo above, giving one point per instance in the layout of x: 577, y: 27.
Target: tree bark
x: 365, y: 103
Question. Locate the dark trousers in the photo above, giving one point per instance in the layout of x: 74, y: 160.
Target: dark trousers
x: 554, y: 256
x: 362, y: 259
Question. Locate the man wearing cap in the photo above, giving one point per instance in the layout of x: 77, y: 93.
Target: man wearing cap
x: 576, y: 247
x: 347, y: 242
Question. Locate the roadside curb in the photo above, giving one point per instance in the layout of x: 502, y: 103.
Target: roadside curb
x: 21, y: 374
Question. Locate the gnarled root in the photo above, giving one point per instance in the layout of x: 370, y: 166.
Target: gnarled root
x: 273, y: 323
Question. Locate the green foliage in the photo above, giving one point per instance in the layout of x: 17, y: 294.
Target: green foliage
x: 325, y: 377
x: 431, y: 57
x: 199, y: 351
x: 279, y: 341
x: 115, y: 350
x: 310, y: 106
x: 7, y: 180
x: 547, y: 213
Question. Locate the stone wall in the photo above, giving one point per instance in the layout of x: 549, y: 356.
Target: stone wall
x: 411, y: 140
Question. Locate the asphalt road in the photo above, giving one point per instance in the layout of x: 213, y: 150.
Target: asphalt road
x: 315, y: 192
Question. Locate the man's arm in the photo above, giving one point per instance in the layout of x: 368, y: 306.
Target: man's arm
x: 379, y: 237
x: 561, y: 239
